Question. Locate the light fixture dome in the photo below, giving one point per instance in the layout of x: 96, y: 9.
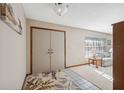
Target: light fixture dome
x: 60, y: 8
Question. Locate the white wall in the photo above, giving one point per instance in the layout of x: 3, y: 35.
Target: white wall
x: 74, y: 41
x: 12, y: 53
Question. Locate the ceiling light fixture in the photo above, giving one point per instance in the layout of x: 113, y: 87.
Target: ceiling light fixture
x: 60, y: 8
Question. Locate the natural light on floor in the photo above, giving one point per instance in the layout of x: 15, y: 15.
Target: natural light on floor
x: 104, y: 74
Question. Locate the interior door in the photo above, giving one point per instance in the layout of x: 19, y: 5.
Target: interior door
x: 40, y: 46
x: 57, y: 44
x: 47, y: 50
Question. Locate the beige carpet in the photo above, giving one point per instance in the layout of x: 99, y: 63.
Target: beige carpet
x: 101, y: 77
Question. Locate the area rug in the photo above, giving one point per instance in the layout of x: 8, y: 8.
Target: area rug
x: 64, y: 80
x: 40, y: 81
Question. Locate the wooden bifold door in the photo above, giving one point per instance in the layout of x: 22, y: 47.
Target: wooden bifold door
x: 47, y: 50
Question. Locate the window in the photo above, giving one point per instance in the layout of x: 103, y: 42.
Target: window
x: 94, y: 46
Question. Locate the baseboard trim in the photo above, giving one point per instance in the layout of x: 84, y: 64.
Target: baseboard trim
x: 77, y: 65
x: 24, y: 81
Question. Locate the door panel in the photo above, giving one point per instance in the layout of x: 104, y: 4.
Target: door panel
x: 47, y: 50
x: 57, y: 44
x: 40, y: 46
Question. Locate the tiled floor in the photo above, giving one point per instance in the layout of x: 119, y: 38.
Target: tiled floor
x: 101, y: 77
x: 79, y: 81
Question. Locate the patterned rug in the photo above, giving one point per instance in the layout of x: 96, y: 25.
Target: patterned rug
x: 61, y: 80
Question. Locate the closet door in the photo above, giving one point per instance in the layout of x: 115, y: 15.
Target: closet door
x: 40, y: 46
x: 57, y: 44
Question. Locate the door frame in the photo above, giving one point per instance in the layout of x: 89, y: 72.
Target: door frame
x: 31, y: 44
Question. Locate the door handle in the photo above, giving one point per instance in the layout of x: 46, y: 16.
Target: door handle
x: 50, y: 51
